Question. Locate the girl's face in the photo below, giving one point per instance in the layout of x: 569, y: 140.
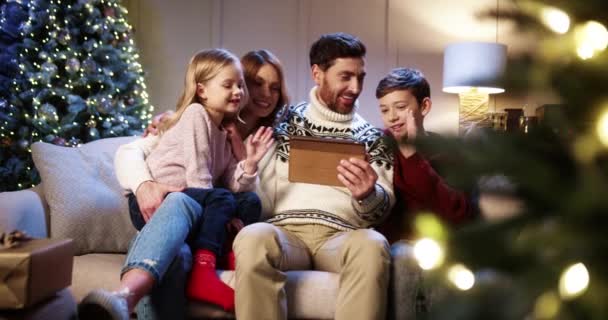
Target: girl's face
x: 223, y: 93
x: 264, y: 91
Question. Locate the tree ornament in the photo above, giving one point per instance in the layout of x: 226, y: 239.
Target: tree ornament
x: 72, y: 65
x: 43, y: 55
x: 49, y: 68
x: 63, y: 37
x: 23, y: 144
x: 89, y: 65
x: 105, y: 106
x: 109, y: 12
x: 59, y: 141
x: 74, y: 142
x: 91, y: 123
x: 47, y: 111
x: 6, y: 142
x: 93, y: 134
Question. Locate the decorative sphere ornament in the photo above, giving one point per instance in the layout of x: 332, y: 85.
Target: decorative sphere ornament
x: 49, y: 68
x: 107, y: 124
x: 44, y: 77
x: 72, y: 65
x: 47, y: 111
x: 43, y: 55
x: 53, y: 34
x: 74, y: 141
x: 23, y: 144
x: 24, y: 131
x: 89, y: 65
x: 109, y: 12
x: 5, y: 142
x: 59, y: 141
x: 91, y: 123
x: 93, y: 134
x: 105, y: 106
x: 63, y: 37
x: 108, y: 72
x: 131, y: 101
x: 25, y: 27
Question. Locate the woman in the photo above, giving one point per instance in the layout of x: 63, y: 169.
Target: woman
x: 265, y: 82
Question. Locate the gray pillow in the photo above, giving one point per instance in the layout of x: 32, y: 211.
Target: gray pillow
x: 85, y: 200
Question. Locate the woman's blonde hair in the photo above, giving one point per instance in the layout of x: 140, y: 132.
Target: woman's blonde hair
x: 203, y: 66
x: 252, y: 61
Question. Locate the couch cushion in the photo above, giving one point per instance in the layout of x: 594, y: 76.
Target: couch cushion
x: 310, y: 294
x: 85, y: 200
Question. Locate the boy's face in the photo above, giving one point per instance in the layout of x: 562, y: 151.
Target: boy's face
x: 341, y: 84
x: 394, y: 110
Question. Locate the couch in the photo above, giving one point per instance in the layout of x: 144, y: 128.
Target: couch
x: 80, y: 198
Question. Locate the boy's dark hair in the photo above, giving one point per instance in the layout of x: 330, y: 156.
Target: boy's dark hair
x: 330, y: 47
x: 405, y: 79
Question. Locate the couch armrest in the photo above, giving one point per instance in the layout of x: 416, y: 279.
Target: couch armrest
x: 25, y: 210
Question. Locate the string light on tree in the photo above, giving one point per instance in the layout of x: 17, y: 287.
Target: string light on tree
x: 591, y: 38
x: 461, y: 277
x: 574, y: 281
x: 428, y: 253
x: 602, y: 128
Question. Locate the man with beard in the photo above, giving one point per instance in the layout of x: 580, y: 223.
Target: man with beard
x: 316, y: 226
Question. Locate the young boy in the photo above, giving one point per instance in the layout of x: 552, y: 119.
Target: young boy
x: 404, y: 96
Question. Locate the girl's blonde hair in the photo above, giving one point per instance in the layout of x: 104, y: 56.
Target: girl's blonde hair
x: 252, y: 61
x: 202, y: 67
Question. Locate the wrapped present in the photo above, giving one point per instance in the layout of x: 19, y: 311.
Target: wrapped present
x: 32, y: 270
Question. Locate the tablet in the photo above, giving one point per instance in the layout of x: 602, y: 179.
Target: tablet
x: 315, y: 160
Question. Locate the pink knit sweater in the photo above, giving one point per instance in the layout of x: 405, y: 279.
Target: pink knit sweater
x: 195, y: 153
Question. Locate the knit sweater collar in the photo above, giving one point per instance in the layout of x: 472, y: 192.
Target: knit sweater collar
x: 318, y: 110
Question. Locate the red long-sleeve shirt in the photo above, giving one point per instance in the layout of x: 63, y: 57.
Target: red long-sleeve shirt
x: 417, y: 188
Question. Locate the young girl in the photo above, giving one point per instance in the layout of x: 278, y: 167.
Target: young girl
x: 193, y: 153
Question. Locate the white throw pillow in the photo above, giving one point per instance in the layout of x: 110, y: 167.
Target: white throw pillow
x: 85, y: 200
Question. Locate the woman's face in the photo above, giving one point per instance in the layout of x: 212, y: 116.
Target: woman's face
x: 264, y: 91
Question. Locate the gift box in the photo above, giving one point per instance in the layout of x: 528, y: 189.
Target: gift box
x: 34, y: 270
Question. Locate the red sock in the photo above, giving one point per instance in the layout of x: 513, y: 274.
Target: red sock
x: 205, y: 285
x: 230, y: 261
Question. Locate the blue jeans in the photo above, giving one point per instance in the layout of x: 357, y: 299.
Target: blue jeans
x: 160, y: 249
x: 220, y: 205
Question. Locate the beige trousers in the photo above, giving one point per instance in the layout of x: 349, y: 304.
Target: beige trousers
x: 264, y: 251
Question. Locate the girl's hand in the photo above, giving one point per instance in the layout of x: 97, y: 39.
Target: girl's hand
x: 256, y: 147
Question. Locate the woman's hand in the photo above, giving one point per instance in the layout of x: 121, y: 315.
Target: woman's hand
x: 256, y: 147
x: 156, y: 121
x: 235, y: 140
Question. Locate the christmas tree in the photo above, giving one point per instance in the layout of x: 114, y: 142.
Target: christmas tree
x: 549, y: 261
x: 69, y: 75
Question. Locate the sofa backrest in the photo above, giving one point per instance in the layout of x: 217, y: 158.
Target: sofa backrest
x: 85, y: 200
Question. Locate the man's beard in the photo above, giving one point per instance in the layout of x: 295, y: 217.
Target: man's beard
x: 330, y: 98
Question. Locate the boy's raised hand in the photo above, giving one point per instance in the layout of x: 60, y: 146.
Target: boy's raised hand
x: 256, y: 147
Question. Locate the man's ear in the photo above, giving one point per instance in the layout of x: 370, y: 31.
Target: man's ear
x: 200, y: 91
x: 317, y: 74
x: 425, y: 107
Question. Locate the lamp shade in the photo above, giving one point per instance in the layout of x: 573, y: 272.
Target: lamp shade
x: 478, y: 65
